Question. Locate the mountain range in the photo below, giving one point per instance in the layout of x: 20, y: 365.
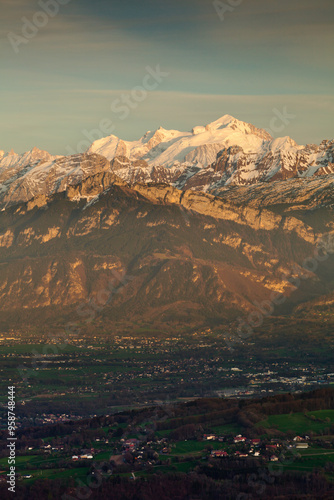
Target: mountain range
x: 226, y: 152
x: 193, y: 255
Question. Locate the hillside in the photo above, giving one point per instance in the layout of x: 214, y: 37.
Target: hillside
x: 186, y: 257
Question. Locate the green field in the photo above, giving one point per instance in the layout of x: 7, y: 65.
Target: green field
x: 164, y: 433
x: 30, y: 461
x: 310, y: 459
x: 103, y: 456
x: 180, y: 467
x: 78, y: 473
x: 222, y: 430
x: 300, y: 423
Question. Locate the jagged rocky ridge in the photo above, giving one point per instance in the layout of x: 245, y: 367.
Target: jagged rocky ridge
x: 38, y: 174
x: 226, y: 152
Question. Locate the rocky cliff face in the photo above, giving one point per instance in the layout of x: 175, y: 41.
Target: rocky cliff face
x: 245, y: 206
x: 282, y: 161
x: 302, y: 194
x: 235, y: 167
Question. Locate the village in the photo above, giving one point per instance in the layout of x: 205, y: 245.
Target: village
x: 132, y: 455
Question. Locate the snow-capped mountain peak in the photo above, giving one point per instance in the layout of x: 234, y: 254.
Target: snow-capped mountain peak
x: 233, y: 124
x: 284, y: 143
x: 173, y: 147
x: 225, y: 152
x: 31, y: 157
x: 226, y: 121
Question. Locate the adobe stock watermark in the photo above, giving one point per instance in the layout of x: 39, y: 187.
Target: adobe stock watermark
x: 162, y: 412
x: 223, y: 8
x: 84, y: 490
x: 30, y: 27
x: 280, y: 120
x: 122, y: 108
x: 255, y: 319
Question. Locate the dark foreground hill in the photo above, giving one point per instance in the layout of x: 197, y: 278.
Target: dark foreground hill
x: 171, y: 458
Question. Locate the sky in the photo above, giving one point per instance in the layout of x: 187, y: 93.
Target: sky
x: 76, y: 70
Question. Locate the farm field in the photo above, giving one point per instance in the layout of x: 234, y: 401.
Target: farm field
x: 311, y: 459
x: 65, y: 474
x: 300, y: 423
x: 226, y: 429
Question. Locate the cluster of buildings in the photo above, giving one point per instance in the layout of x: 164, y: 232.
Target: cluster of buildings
x: 255, y: 447
x: 84, y: 456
